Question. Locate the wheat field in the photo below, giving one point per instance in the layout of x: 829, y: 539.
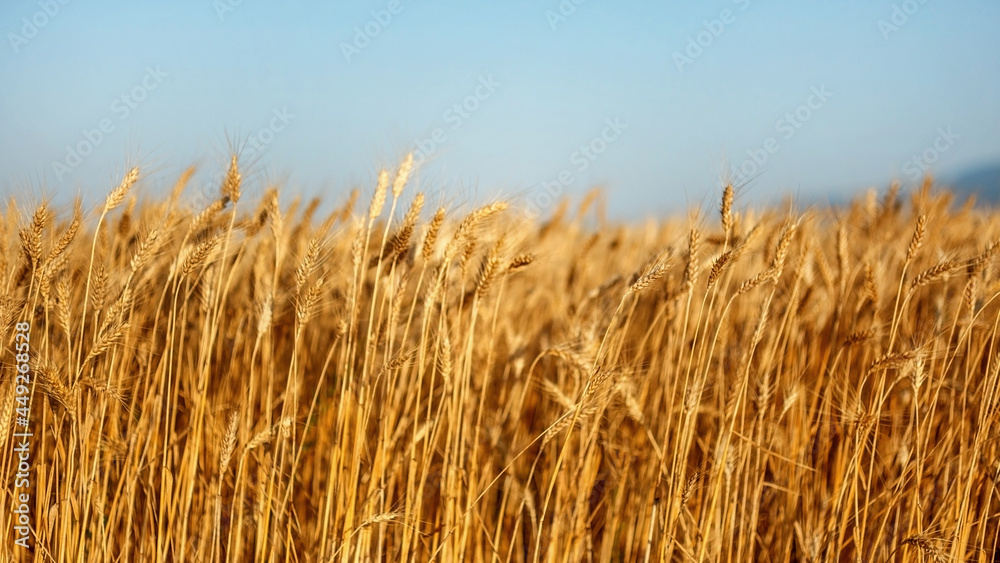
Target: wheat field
x: 403, y: 381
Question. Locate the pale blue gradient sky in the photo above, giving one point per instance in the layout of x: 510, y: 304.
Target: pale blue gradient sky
x: 553, y: 90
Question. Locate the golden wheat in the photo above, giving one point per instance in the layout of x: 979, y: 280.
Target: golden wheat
x: 488, y: 386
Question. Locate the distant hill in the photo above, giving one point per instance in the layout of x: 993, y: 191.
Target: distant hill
x: 984, y: 181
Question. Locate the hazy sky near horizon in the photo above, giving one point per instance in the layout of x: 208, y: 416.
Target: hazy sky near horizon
x: 656, y: 101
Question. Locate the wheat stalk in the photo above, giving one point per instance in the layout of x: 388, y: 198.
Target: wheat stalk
x: 117, y: 195
x: 231, y: 183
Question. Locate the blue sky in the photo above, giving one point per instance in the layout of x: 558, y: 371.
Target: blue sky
x: 655, y: 101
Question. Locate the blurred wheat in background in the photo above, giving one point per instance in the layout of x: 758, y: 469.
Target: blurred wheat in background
x: 252, y: 382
